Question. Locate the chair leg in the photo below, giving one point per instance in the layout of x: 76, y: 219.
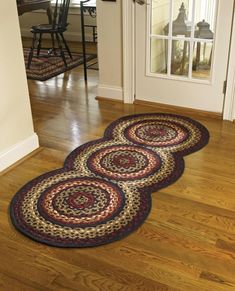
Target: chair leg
x: 39, y: 44
x: 31, y: 50
x: 61, y: 49
x: 66, y: 45
x: 53, y: 43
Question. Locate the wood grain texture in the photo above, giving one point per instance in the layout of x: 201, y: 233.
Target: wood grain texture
x: 187, y: 242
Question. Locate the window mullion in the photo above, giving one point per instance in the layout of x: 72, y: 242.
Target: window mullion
x: 170, y: 39
x: 191, y: 43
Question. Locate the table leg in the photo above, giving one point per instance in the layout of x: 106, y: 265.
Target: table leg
x: 49, y: 14
x: 83, y: 42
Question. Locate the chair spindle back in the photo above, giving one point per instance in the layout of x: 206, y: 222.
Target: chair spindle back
x: 60, y: 14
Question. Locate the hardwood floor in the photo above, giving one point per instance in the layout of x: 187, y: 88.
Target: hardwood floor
x: 188, y: 241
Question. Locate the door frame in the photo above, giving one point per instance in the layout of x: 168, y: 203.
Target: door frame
x: 128, y: 30
x: 229, y: 101
x: 128, y: 47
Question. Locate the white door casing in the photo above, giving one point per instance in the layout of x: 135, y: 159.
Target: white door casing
x: 229, y: 104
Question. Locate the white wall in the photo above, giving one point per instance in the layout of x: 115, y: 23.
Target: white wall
x: 109, y: 23
x: 16, y: 126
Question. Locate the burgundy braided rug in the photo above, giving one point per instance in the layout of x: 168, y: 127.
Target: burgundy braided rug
x: 103, y: 192
x: 45, y: 67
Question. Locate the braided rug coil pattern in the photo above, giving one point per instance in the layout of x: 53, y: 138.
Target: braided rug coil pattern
x: 103, y: 192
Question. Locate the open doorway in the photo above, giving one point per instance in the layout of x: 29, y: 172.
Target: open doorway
x: 59, y: 104
x: 47, y: 60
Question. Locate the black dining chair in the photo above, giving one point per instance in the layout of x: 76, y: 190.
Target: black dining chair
x: 55, y: 29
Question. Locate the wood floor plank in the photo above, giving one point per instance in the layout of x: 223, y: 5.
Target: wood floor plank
x: 216, y: 278
x: 14, y: 284
x: 192, y: 228
x: 211, y: 216
x: 84, y: 271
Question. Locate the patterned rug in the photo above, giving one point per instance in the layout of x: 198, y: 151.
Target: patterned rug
x: 44, y: 67
x: 103, y: 192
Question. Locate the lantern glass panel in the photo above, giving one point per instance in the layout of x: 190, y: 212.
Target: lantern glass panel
x: 202, y: 56
x: 180, y: 58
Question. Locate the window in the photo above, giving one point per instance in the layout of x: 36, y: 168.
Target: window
x: 181, y: 37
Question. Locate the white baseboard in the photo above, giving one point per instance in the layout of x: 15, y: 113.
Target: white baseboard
x: 16, y: 152
x: 69, y: 36
x: 112, y: 92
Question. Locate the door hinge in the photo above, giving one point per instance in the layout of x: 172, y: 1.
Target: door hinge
x: 225, y: 87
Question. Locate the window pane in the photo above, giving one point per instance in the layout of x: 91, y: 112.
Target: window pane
x: 159, y: 56
x: 160, y: 16
x: 202, y: 60
x: 180, y: 58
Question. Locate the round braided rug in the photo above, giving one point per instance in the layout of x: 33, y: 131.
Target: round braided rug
x: 103, y: 192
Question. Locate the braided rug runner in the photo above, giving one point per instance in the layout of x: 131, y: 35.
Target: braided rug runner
x: 103, y: 192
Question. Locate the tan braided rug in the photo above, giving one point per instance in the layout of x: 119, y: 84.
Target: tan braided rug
x: 103, y: 192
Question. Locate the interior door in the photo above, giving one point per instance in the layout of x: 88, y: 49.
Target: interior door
x: 182, y: 51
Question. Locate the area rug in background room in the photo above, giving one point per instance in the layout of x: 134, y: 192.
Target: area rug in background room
x: 46, y: 67
x: 103, y: 192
